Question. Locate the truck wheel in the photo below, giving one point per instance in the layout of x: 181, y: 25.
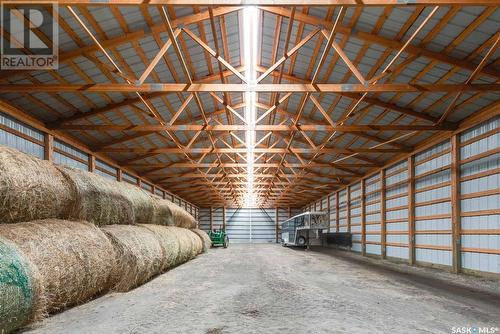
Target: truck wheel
x: 301, y: 241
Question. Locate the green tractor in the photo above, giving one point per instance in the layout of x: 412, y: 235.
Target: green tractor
x: 219, y: 237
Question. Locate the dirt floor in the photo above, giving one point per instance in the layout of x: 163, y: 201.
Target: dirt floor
x: 272, y: 289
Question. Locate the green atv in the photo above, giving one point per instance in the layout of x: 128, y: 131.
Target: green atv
x: 219, y: 238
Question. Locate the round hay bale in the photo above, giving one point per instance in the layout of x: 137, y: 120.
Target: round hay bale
x: 181, y: 217
x: 142, y: 204
x: 197, y: 245
x: 169, y: 241
x: 139, y: 255
x: 31, y: 188
x: 97, y: 199
x: 162, y: 215
x: 19, y: 288
x: 205, y: 239
x: 73, y: 259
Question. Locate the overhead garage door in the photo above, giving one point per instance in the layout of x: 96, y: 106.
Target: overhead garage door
x: 251, y: 225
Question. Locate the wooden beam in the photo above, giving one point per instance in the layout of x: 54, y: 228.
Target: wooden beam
x: 242, y: 88
x: 411, y: 210
x: 262, y: 127
x: 48, y: 147
x: 177, y: 150
x: 383, y: 234
x: 352, y: 3
x: 386, y: 42
x: 455, y: 204
x: 363, y: 217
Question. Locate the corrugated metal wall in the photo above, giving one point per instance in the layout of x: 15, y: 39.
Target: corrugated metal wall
x: 480, y: 197
x: 24, y: 138
x: 408, y: 212
x: 373, y: 215
x: 433, y: 205
x: 396, y: 216
x: 245, y: 225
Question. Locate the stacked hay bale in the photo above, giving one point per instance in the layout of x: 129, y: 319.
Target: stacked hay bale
x: 205, y: 239
x: 180, y: 216
x: 97, y: 199
x: 169, y: 242
x: 19, y: 288
x: 162, y: 215
x: 139, y: 256
x: 142, y: 203
x: 47, y: 264
x: 31, y: 188
x: 66, y: 262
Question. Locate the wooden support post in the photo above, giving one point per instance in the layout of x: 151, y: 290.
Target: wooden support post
x: 337, y: 213
x: 455, y: 204
x: 48, y: 147
x: 119, y: 175
x: 224, y: 217
x: 139, y: 183
x: 348, y: 196
x: 276, y: 222
x: 153, y: 189
x: 363, y: 218
x: 383, y: 234
x: 211, y: 219
x: 328, y: 211
x: 411, y: 210
x: 91, y: 163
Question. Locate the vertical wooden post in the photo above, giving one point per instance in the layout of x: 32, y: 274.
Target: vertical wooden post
x: 139, y: 181
x: 211, y: 219
x: 276, y: 226
x: 91, y: 163
x: 411, y: 210
x: 119, y: 175
x: 383, y: 234
x: 328, y: 211
x: 455, y: 204
x: 224, y: 217
x: 363, y: 218
x: 348, y: 195
x: 337, y: 213
x: 48, y: 147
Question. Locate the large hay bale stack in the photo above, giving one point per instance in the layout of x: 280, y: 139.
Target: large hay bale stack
x: 205, y: 239
x: 31, y: 188
x: 19, y: 288
x: 180, y: 216
x: 139, y: 255
x: 162, y: 215
x: 142, y: 203
x: 97, y: 199
x: 73, y: 259
x: 169, y: 242
x: 197, y: 244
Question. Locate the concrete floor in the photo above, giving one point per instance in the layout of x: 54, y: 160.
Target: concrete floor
x: 272, y: 289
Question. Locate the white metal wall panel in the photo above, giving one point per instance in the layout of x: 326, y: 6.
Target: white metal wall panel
x: 34, y: 147
x: 373, y: 215
x: 333, y: 212
x: 433, y: 205
x: 250, y: 225
x: 355, y: 216
x: 204, y: 219
x: 480, y: 223
x: 397, y: 210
